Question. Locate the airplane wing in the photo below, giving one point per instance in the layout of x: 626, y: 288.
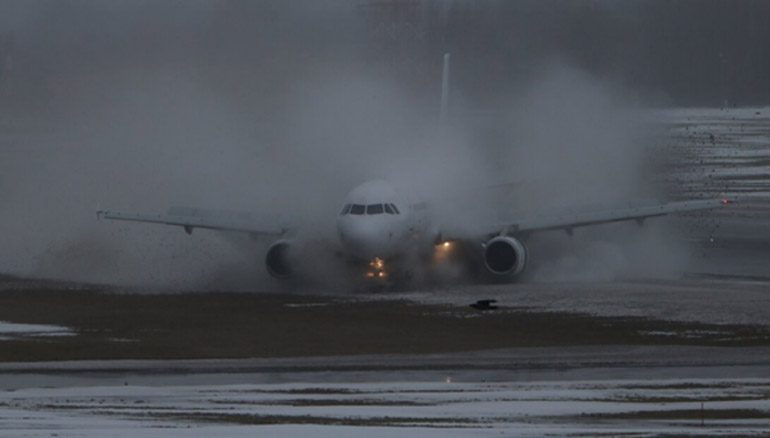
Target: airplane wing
x: 568, y: 222
x: 191, y: 218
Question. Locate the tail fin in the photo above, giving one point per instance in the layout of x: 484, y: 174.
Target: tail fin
x: 444, y: 91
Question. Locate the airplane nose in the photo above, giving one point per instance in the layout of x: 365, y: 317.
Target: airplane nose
x: 366, y: 241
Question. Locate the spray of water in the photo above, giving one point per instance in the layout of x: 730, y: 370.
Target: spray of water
x: 281, y: 118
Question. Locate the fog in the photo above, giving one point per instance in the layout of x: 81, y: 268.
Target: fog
x: 280, y: 109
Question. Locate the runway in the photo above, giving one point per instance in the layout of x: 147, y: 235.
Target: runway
x: 665, y: 355
x: 597, y: 391
x: 708, y: 407
x: 521, y: 370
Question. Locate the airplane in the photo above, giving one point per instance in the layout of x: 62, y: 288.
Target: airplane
x: 380, y: 227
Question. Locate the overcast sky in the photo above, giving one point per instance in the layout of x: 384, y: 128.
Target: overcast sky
x: 679, y: 52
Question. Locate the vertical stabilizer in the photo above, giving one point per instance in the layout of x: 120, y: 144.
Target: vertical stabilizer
x: 444, y: 91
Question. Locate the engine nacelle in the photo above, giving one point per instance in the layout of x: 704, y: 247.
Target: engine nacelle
x: 505, y: 256
x: 277, y: 260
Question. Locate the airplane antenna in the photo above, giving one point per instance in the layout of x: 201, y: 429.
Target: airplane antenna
x: 444, y: 90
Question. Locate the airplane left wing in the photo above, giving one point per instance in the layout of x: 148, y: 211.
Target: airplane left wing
x: 191, y: 218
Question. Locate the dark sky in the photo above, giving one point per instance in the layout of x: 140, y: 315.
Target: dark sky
x: 678, y: 52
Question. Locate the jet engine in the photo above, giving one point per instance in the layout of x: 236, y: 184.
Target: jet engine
x: 277, y: 259
x: 505, y: 256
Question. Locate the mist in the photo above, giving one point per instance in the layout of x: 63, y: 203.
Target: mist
x: 280, y: 109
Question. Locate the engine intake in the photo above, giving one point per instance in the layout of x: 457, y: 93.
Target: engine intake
x: 505, y: 255
x: 277, y: 260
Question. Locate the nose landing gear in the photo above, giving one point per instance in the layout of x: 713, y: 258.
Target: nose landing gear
x: 376, y: 269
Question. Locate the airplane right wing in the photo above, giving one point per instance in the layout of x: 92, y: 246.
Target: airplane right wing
x: 570, y: 221
x: 191, y: 218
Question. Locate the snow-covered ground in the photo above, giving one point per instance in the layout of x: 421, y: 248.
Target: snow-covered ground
x: 440, y: 408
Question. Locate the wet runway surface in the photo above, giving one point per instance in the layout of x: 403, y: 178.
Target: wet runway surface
x: 707, y: 407
x: 578, y: 391
x: 629, y: 375
x: 648, y: 356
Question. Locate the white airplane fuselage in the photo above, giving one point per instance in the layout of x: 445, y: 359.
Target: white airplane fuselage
x: 377, y: 222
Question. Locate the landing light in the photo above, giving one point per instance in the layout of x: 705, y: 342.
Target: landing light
x: 443, y: 251
x: 376, y: 269
x: 377, y: 263
x: 444, y: 246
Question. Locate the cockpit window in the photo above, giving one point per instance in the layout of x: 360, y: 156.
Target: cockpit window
x: 389, y: 209
x: 395, y: 208
x: 374, y: 209
x: 357, y: 209
x: 345, y: 210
